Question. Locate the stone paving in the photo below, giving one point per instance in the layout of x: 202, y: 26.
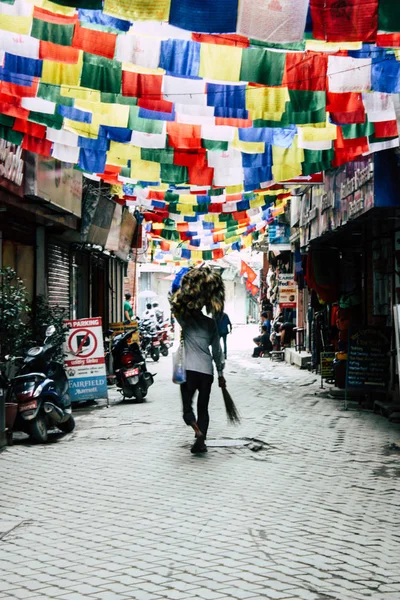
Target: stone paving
x: 121, y: 509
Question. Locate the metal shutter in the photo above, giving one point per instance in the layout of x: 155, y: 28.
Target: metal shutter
x: 58, y: 275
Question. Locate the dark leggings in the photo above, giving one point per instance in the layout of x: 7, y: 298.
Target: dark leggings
x: 202, y: 383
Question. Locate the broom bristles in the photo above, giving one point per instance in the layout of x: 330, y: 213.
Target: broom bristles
x: 231, y: 411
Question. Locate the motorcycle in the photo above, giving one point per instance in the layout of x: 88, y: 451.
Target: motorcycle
x: 163, y: 337
x: 149, y: 342
x: 40, y: 389
x: 133, y: 379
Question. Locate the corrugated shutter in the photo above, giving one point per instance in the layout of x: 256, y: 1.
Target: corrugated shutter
x: 58, y: 275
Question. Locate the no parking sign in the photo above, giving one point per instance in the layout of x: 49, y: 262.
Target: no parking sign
x: 84, y: 362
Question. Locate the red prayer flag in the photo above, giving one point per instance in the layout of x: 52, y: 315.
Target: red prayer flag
x: 142, y: 84
x: 231, y: 39
x: 93, y: 41
x: 386, y: 129
x: 36, y: 145
x: 58, y: 53
x: 348, y: 21
x: 305, y: 71
x: 38, y: 131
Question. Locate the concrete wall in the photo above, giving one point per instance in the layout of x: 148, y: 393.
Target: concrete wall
x: 236, y: 301
x: 235, y: 294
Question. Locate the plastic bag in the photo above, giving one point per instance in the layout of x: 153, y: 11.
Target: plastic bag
x: 178, y: 362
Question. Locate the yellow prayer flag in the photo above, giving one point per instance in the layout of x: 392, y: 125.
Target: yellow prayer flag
x: 125, y: 151
x: 145, y: 170
x: 287, y: 161
x: 80, y: 93
x: 188, y: 199
x: 89, y: 130
x: 322, y: 46
x: 68, y: 11
x: 267, y: 103
x: 62, y: 73
x: 15, y: 24
x: 197, y: 255
x: 114, y: 115
x: 318, y: 134
x: 220, y: 62
x: 248, y: 147
x: 116, y: 160
x: 257, y: 202
x: 138, y: 10
x: 234, y: 189
x: 185, y: 209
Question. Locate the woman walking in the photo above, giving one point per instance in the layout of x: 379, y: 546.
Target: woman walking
x: 199, y: 334
x: 199, y: 288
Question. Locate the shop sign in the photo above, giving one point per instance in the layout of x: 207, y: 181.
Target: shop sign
x: 361, y: 177
x: 84, y: 361
x: 327, y: 201
x: 368, y: 360
x: 128, y: 226
x: 360, y: 202
x: 287, y: 290
x: 53, y: 181
x: 326, y: 362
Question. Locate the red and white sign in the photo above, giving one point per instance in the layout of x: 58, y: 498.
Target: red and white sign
x: 287, y: 290
x: 314, y: 179
x: 84, y: 361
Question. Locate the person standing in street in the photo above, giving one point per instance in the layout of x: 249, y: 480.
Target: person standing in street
x: 199, y: 333
x: 128, y: 310
x: 224, y: 328
x: 150, y: 313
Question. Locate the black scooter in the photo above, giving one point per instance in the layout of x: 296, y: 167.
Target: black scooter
x: 133, y: 379
x: 41, y: 391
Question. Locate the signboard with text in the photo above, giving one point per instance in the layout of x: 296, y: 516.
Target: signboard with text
x: 287, y: 290
x: 84, y: 361
x: 368, y: 360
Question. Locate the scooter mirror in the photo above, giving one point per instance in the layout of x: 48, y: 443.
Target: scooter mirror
x: 50, y: 330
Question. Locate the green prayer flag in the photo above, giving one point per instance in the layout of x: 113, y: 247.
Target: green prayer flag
x: 137, y: 123
x: 55, y: 121
x: 14, y: 137
x: 6, y: 120
x: 357, y: 130
x: 162, y: 156
x: 262, y: 66
x: 118, y: 99
x: 171, y: 173
x: 51, y: 92
x: 52, y: 32
x: 99, y: 73
x: 214, y: 145
x: 389, y: 15
x: 92, y: 4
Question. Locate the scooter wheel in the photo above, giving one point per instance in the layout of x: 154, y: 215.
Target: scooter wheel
x: 38, y: 430
x: 155, y: 354
x: 68, y: 426
x: 138, y: 394
x: 164, y: 351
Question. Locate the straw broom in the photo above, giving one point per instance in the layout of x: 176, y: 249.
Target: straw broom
x: 231, y: 411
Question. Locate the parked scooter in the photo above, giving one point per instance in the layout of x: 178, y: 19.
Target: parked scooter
x: 149, y: 342
x: 41, y: 391
x: 133, y: 379
x: 163, y: 337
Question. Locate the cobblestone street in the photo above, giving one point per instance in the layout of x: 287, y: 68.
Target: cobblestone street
x: 301, y: 501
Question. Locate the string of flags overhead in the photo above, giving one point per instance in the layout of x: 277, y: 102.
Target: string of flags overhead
x: 189, y: 100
